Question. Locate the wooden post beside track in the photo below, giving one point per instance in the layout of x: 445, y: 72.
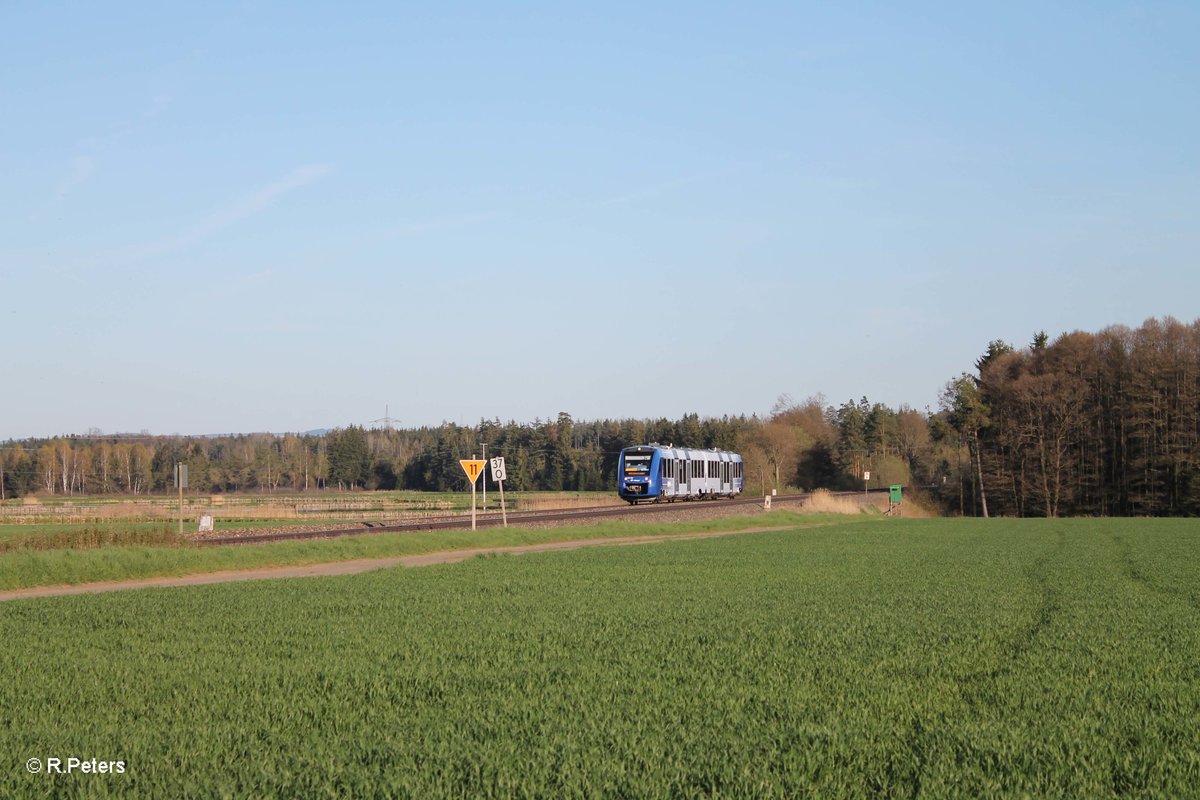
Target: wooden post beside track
x: 473, y: 467
x: 181, y: 481
x: 498, y: 475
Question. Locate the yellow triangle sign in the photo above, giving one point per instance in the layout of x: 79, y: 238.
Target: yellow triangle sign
x: 472, y: 467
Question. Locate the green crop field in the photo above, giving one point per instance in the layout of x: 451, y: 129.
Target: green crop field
x: 903, y: 658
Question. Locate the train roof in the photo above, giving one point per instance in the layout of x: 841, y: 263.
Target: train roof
x: 673, y: 448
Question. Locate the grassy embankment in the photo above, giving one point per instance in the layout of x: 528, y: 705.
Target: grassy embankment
x: 156, y: 551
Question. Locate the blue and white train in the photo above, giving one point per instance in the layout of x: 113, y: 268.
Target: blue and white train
x: 655, y: 472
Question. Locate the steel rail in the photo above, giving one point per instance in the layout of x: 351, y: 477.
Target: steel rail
x: 491, y: 521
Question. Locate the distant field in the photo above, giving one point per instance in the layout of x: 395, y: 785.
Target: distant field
x: 68, y: 531
x: 898, y: 658
x: 234, y: 510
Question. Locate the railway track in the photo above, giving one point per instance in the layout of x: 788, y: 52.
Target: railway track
x: 494, y: 519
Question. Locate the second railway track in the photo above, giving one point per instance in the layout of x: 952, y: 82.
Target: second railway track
x: 493, y: 519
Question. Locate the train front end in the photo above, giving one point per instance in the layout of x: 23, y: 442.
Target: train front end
x: 638, y: 474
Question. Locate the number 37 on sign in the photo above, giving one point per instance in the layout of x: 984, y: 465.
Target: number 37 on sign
x: 498, y: 473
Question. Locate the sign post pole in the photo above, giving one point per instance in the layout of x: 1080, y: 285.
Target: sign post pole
x: 498, y: 475
x: 472, y: 467
x: 181, y: 481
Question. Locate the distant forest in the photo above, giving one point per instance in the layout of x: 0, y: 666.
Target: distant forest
x: 1101, y: 423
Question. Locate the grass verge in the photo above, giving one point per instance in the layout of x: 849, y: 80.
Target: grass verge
x: 22, y: 569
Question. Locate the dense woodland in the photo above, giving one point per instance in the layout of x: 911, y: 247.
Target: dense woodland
x: 1101, y: 423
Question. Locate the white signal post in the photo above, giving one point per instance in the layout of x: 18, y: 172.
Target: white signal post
x: 473, y: 467
x: 498, y: 475
x: 181, y: 481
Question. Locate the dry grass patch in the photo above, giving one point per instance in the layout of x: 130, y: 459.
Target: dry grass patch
x: 823, y: 502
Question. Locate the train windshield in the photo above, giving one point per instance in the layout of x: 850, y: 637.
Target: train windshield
x: 637, y: 464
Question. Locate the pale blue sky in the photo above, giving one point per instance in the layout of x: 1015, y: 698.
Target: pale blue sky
x: 284, y: 216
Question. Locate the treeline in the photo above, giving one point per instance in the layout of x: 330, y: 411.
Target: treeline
x: 550, y: 455
x: 1105, y: 423
x: 546, y: 455
x: 1100, y: 424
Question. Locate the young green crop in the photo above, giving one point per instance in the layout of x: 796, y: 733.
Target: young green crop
x: 908, y: 659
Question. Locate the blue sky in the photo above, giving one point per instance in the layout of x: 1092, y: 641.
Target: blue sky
x: 283, y: 216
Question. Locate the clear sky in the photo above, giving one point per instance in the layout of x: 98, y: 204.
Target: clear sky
x: 285, y: 216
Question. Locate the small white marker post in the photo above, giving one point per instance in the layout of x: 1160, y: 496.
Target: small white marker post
x: 473, y: 467
x: 498, y: 475
x: 181, y: 481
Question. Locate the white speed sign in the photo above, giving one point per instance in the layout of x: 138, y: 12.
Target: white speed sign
x: 498, y: 473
